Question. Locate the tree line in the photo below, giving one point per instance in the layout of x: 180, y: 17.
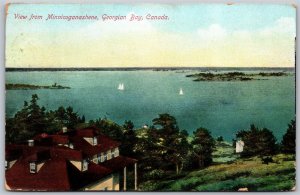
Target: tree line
x: 160, y: 148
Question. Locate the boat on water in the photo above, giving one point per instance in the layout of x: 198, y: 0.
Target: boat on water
x: 180, y: 91
x: 121, y: 86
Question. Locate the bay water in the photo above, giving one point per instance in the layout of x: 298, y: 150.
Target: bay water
x: 223, y: 107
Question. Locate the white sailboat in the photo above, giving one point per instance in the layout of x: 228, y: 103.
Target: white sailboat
x: 180, y: 91
x: 121, y: 86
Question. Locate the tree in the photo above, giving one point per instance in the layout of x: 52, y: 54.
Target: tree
x: 36, y: 119
x: 289, y: 139
x: 62, y: 117
x: 108, y: 128
x: 148, y: 151
x: 172, y: 143
x: 129, y: 139
x: 72, y: 118
x: 16, y: 127
x: 257, y: 142
x: 128, y: 125
x: 33, y: 119
x: 220, y: 139
x: 27, y: 122
x: 203, y: 146
x: 82, y: 119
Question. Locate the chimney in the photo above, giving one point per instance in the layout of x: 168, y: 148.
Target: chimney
x: 64, y: 129
x: 95, y: 141
x: 31, y: 142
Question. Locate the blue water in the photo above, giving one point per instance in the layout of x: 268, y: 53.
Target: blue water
x: 222, y: 107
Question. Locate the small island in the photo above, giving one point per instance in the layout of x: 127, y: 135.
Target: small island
x: 17, y: 86
x: 234, y: 76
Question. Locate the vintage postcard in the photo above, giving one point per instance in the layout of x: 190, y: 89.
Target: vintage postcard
x: 150, y: 97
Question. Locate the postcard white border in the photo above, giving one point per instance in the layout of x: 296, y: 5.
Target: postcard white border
x: 2, y: 76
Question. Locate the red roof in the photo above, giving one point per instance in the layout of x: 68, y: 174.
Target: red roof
x: 39, y: 156
x: 45, y: 139
x: 86, y: 133
x: 13, y: 153
x: 104, y: 144
x: 60, y: 139
x: 58, y: 173
x: 52, y: 176
x: 67, y: 153
x: 55, y: 175
x: 119, y: 162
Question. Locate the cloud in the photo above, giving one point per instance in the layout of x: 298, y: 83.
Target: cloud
x: 213, y: 33
x: 283, y: 26
x: 126, y: 43
x: 272, y: 45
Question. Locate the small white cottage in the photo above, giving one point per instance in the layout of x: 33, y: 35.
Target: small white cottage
x: 239, y: 146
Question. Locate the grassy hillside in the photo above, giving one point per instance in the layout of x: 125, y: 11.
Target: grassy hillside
x: 229, y: 173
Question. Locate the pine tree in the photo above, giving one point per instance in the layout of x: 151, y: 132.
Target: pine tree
x: 203, y: 146
x: 289, y: 139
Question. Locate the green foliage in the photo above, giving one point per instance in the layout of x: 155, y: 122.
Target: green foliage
x: 108, y: 128
x: 267, y: 183
x: 166, y: 121
x: 164, y: 152
x: 129, y: 140
x: 128, y: 125
x: 203, y: 146
x: 224, y: 153
x: 27, y: 122
x: 257, y: 142
x: 163, y: 145
x: 155, y: 174
x: 267, y: 159
x: 172, y: 143
x: 252, y: 174
x: 220, y: 139
x: 33, y: 119
x: 289, y: 139
x: 18, y: 86
x: 124, y: 134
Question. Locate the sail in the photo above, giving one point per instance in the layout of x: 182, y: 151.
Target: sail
x: 180, y: 91
x: 121, y: 86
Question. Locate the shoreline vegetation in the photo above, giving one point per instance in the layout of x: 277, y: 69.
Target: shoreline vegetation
x: 150, y: 68
x: 235, y: 76
x: 170, y: 159
x: 18, y: 86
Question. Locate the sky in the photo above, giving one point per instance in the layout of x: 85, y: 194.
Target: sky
x: 195, y: 35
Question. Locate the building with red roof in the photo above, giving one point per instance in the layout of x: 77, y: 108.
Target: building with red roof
x: 74, y: 160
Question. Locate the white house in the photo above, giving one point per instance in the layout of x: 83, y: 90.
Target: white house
x: 239, y: 146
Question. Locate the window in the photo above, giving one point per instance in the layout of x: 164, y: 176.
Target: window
x: 116, y: 152
x: 30, y: 142
x: 71, y: 146
x: 6, y: 164
x: 105, y: 156
x: 99, y: 158
x: 102, y: 157
x: 113, y: 154
x: 95, y: 141
x: 32, y: 167
x: 108, y: 154
x: 95, y: 159
x: 84, y: 165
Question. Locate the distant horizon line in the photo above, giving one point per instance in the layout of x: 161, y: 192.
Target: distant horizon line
x: 134, y: 68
